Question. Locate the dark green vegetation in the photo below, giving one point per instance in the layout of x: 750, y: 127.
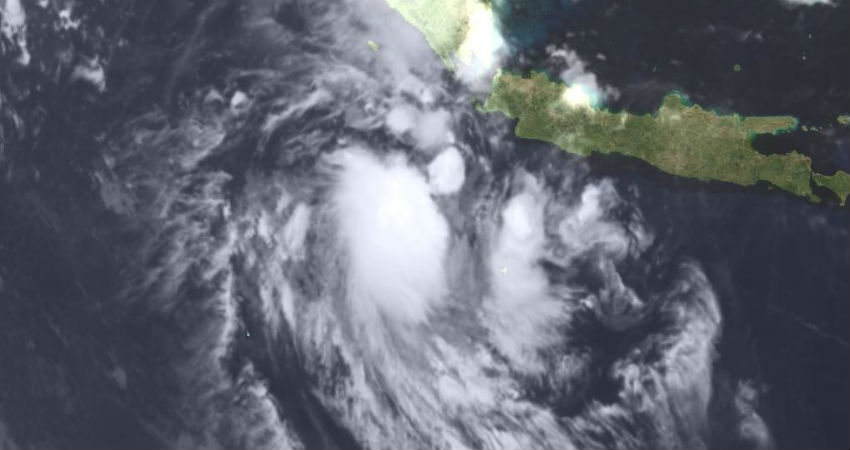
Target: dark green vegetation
x: 838, y: 183
x: 680, y: 139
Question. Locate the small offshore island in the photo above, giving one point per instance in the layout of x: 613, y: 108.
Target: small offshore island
x: 680, y: 139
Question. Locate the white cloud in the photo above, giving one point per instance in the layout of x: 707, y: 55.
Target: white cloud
x: 583, y: 84
x: 446, y: 172
x: 13, y: 24
x: 404, y: 55
x: 585, y: 227
x: 428, y: 128
x: 432, y: 128
x: 394, y: 235
x: 521, y: 311
x: 808, y: 2
x: 400, y: 119
x: 91, y: 71
x: 295, y: 230
x: 577, y: 96
x: 481, y: 50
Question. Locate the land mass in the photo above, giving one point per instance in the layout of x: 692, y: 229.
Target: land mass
x: 444, y: 23
x: 679, y: 138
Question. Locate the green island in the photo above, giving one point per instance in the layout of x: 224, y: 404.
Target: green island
x: 843, y: 120
x: 838, y: 183
x: 679, y: 138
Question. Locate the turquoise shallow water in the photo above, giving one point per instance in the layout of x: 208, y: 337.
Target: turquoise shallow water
x: 529, y: 24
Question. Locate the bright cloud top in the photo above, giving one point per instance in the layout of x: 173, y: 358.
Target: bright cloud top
x: 483, y: 41
x: 394, y: 235
x: 446, y: 172
x: 577, y: 96
x: 584, y: 86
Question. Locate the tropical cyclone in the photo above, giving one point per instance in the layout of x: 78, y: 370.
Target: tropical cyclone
x: 680, y: 139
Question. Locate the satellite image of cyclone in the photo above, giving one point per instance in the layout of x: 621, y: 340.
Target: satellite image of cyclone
x: 424, y: 224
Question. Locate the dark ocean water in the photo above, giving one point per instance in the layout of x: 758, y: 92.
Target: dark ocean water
x: 779, y: 264
x: 793, y: 60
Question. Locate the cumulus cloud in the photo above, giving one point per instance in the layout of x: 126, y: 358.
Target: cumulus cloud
x: 584, y: 87
x: 446, y: 172
x: 400, y: 119
x: 585, y: 227
x: 483, y: 46
x: 751, y: 427
x: 521, y: 311
x: 432, y: 128
x: 13, y: 25
x: 428, y: 128
x: 394, y: 235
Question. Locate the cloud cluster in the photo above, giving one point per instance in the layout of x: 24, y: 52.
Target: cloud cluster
x: 584, y: 87
x: 395, y: 237
x: 408, y: 285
